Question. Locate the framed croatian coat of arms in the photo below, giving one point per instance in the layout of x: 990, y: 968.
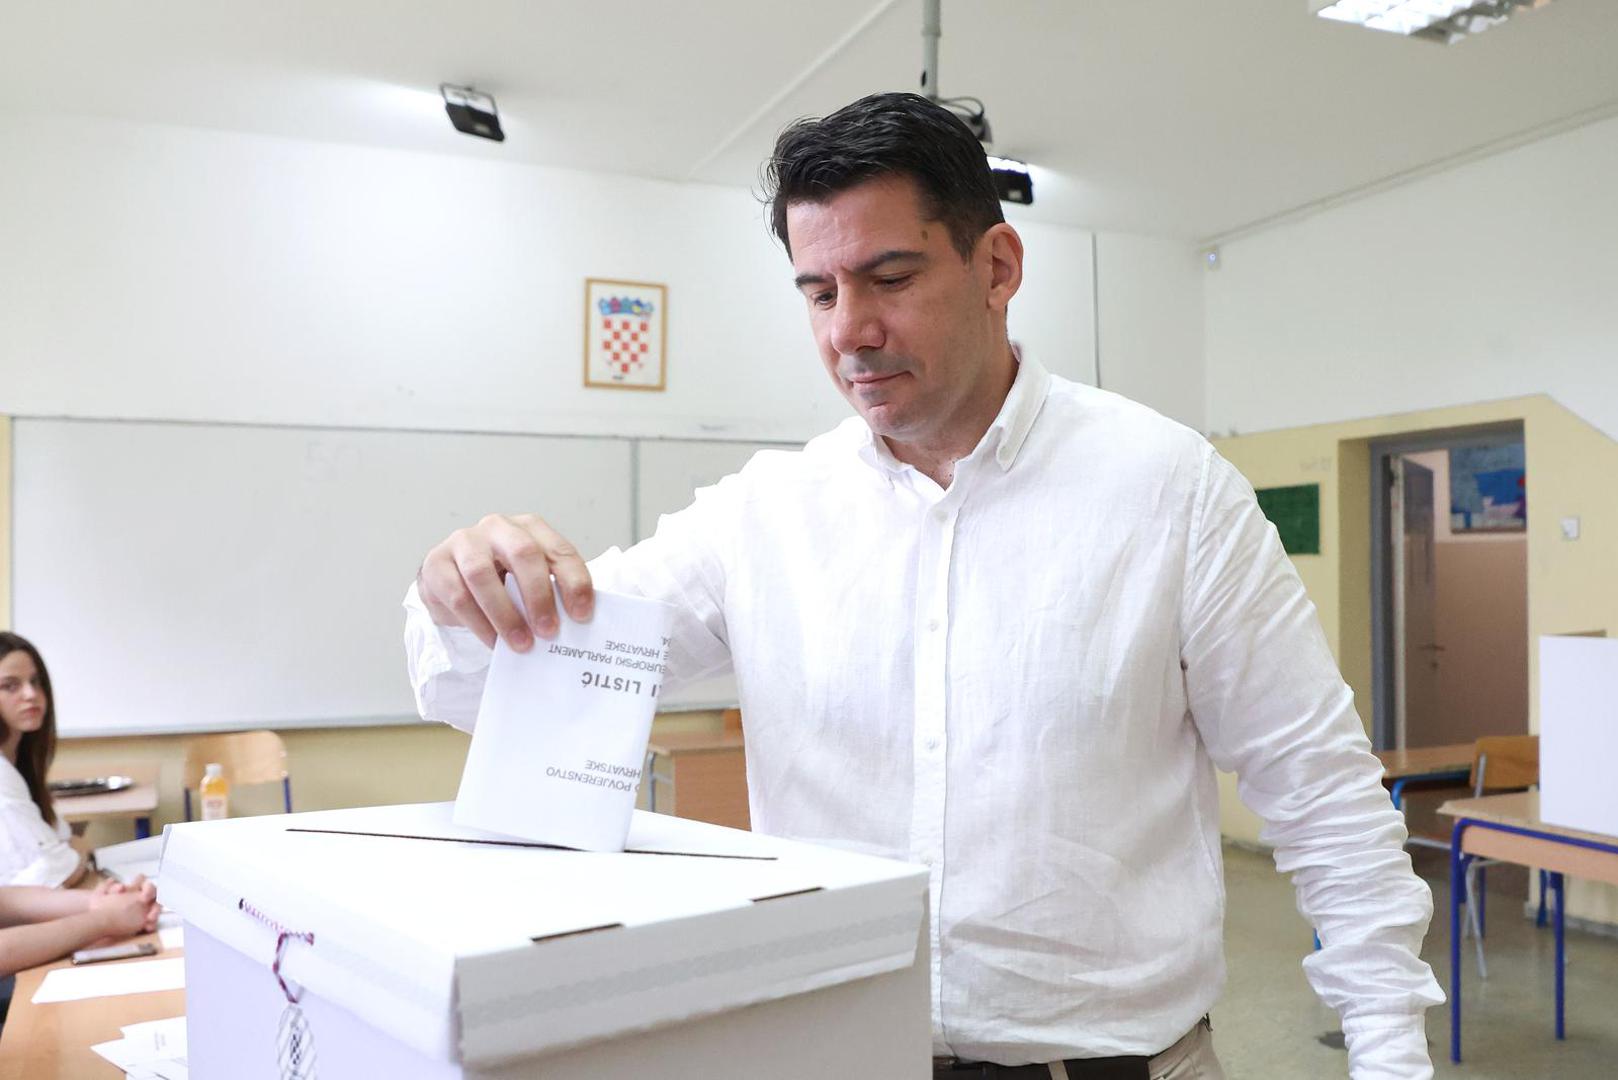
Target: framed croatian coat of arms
x: 625, y: 323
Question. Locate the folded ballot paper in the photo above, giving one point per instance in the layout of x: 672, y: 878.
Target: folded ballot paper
x: 562, y: 729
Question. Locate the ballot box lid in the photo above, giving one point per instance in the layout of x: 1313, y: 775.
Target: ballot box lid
x: 476, y: 948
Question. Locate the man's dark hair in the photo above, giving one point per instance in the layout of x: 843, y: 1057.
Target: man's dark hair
x: 886, y: 135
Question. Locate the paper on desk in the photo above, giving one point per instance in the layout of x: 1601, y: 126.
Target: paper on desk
x: 110, y: 980
x: 147, y: 1047
x: 124, y: 861
x: 561, y: 732
x: 119, y: 1052
x: 166, y: 1038
x: 172, y: 937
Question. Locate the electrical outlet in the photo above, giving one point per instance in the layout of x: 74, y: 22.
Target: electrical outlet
x: 1570, y: 528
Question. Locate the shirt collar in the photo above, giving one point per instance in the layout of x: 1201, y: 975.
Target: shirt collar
x: 1017, y: 415
x: 1006, y: 434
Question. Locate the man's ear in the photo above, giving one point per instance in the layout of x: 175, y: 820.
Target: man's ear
x: 1001, y: 247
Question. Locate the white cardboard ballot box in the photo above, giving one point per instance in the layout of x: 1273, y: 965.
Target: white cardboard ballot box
x: 1578, y: 732
x: 425, y: 950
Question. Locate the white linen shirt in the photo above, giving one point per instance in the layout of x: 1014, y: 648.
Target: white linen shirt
x: 31, y: 852
x: 1024, y: 681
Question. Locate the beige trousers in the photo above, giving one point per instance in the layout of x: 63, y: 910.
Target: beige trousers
x: 1192, y: 1058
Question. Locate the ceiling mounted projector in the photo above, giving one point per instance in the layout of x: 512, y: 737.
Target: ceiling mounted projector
x: 1012, y: 180
x: 1445, y: 21
x: 472, y: 112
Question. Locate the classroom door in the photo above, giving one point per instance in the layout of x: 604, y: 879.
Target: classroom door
x: 1417, y: 651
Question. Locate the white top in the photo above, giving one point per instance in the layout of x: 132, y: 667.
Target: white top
x: 31, y: 852
x: 1025, y: 682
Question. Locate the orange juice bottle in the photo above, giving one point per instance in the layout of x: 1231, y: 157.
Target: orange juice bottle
x: 215, y: 794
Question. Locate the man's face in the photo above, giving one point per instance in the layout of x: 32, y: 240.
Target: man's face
x: 904, y: 325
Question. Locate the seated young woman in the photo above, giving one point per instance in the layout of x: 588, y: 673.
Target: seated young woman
x: 38, y: 925
x: 35, y: 845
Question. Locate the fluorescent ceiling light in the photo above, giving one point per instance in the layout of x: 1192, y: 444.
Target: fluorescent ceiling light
x: 1446, y: 21
x: 1007, y: 163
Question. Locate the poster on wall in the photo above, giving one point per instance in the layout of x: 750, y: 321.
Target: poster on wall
x: 625, y: 323
x: 1488, y: 489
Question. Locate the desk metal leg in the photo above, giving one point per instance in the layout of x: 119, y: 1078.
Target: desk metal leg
x: 1561, y: 954
x: 1544, y: 884
x: 1398, y: 793
x: 143, y: 828
x: 1481, y: 899
x: 650, y: 774
x: 1457, y: 896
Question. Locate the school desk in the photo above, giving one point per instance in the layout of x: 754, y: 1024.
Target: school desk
x: 705, y: 778
x: 52, y: 1042
x: 137, y: 802
x: 1508, y: 828
x: 1426, y: 766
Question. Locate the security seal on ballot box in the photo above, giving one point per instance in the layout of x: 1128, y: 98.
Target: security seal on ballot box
x: 562, y: 729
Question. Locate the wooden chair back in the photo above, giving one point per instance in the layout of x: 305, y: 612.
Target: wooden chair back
x: 249, y: 757
x: 1505, y: 763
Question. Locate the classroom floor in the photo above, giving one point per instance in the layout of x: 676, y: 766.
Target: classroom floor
x: 1269, y: 1024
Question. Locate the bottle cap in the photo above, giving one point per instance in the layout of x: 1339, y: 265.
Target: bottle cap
x: 214, y: 769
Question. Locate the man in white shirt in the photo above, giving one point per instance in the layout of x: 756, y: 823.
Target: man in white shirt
x: 1006, y: 626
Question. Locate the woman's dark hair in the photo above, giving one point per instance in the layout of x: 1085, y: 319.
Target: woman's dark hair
x: 36, y: 749
x: 886, y: 135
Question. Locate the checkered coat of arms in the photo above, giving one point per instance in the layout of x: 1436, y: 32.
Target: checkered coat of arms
x: 624, y: 331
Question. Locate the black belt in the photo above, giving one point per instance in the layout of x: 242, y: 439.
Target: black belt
x: 1126, y: 1067
x: 1107, y: 1068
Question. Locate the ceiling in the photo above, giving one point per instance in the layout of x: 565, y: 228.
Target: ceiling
x: 1181, y: 118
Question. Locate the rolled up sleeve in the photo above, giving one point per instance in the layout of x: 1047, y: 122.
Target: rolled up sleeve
x: 447, y: 666
x: 1271, y: 706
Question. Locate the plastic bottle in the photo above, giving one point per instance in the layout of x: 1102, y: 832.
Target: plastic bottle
x: 215, y: 793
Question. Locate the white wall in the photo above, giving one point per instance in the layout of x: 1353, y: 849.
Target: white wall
x: 151, y: 271
x: 1150, y: 322
x: 1492, y: 280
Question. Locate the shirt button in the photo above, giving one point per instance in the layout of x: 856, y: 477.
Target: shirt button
x: 940, y: 515
x: 932, y: 742
x: 933, y: 624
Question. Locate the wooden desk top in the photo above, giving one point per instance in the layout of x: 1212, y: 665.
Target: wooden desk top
x: 1455, y: 757
x: 1549, y: 851
x: 52, y: 1042
x: 695, y: 742
x: 1519, y: 808
x: 137, y: 801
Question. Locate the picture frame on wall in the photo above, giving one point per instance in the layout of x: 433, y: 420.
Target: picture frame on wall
x: 1488, y: 488
x: 625, y: 334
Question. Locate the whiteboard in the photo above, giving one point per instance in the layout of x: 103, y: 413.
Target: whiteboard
x: 668, y: 475
x: 670, y: 472
x: 187, y: 577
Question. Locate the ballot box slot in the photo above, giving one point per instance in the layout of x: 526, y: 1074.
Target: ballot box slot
x: 575, y: 933
x: 533, y: 844
x: 784, y: 895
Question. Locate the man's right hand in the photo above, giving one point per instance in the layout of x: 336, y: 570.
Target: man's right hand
x: 461, y: 579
